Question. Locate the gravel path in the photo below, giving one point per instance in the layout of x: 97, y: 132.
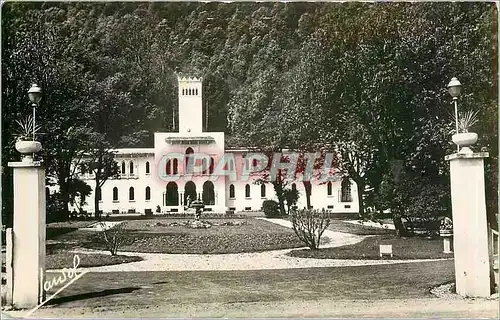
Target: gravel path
x: 275, y: 259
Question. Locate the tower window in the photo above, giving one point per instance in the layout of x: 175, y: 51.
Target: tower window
x: 148, y: 193
x: 196, y: 91
x: 147, y: 167
x: 329, y: 188
x: 211, y: 167
x: 176, y: 165
x: 115, y: 194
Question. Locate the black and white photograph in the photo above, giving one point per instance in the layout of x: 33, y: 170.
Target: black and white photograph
x: 249, y: 159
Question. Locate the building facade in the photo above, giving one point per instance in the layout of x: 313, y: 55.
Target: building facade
x: 187, y: 164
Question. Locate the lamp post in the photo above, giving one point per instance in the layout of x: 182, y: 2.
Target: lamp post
x: 35, y: 95
x: 454, y: 88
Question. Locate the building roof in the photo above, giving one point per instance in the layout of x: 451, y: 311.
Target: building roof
x: 134, y: 151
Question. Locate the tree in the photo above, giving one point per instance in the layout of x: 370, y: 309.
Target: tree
x: 291, y: 196
x: 78, y: 190
x: 103, y: 166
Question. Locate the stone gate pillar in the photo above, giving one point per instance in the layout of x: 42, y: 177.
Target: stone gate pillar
x: 470, y: 229
x: 28, y: 257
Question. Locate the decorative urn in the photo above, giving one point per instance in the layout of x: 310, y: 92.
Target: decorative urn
x: 464, y: 139
x: 27, y: 148
x: 446, y: 232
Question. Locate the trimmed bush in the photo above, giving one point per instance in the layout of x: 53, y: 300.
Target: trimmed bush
x: 271, y: 208
x: 309, y: 226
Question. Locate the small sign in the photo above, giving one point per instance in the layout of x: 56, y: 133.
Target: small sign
x: 385, y: 249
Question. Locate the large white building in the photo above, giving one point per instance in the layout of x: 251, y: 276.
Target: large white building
x: 158, y: 178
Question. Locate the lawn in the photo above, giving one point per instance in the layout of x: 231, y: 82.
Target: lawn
x: 402, y: 248
x: 64, y: 259
x: 358, y: 229
x: 159, y: 236
x: 396, y: 281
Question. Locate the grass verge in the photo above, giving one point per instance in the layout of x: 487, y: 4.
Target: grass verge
x: 358, y: 229
x: 402, y: 248
x: 61, y: 260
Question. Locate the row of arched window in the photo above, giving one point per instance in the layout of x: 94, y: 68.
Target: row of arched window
x: 344, y: 197
x: 131, y: 194
x: 131, y: 168
x: 345, y: 190
x: 232, y: 191
x: 189, y: 92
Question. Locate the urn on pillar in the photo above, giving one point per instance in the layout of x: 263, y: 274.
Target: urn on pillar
x: 28, y: 232
x: 470, y: 236
x: 464, y: 139
x: 25, y: 145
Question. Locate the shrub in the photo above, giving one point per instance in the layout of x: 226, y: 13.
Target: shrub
x: 309, y: 225
x: 113, y: 237
x: 271, y: 208
x: 291, y: 198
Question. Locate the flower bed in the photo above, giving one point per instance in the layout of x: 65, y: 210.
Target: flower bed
x: 172, y: 236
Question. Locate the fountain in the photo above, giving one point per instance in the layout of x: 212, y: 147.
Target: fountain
x: 198, y: 206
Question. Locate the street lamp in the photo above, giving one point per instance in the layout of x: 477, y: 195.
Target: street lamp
x: 35, y: 95
x: 454, y: 88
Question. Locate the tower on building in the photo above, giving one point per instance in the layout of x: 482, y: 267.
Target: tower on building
x: 190, y: 105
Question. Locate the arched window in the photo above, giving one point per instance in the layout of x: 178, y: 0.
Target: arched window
x: 131, y: 168
x: 247, y: 191
x: 262, y: 190
x: 147, y: 167
x: 196, y: 91
x: 294, y: 186
x: 148, y: 193
x: 211, y: 168
x: 189, y: 91
x: 123, y: 167
x: 131, y: 193
x: 183, y: 92
x: 208, y: 193
x: 168, y: 167
x: 231, y: 192
x: 204, y: 165
x: 346, y: 191
x: 189, y: 152
x: 115, y: 194
x: 329, y: 188
x: 172, y: 195
x: 176, y: 165
x: 189, y: 191
x: 98, y: 194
